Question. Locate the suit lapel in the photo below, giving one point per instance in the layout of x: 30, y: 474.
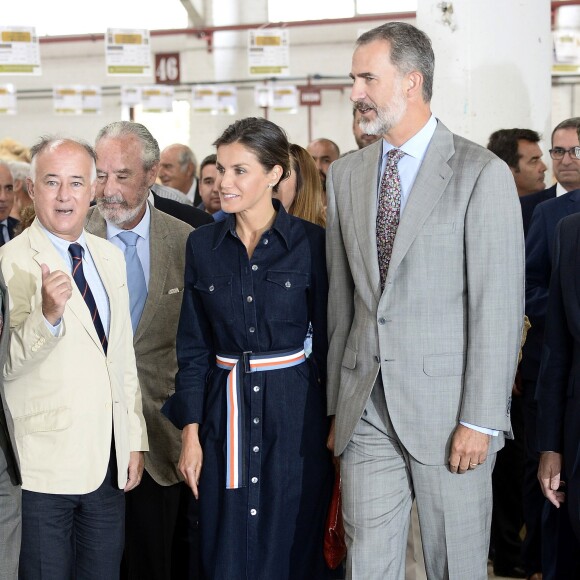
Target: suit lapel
x: 160, y: 255
x: 47, y: 254
x: 364, y: 211
x: 430, y: 183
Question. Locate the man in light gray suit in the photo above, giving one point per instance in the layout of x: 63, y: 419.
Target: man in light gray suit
x: 127, y: 165
x: 10, y: 480
x: 425, y: 319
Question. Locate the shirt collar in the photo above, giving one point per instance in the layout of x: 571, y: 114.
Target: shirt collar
x: 417, y: 145
x: 141, y: 229
x: 281, y: 225
x: 62, y: 244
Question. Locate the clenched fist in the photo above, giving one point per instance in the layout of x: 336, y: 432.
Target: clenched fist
x: 56, y: 291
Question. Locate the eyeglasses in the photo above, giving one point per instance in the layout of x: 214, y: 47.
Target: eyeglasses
x: 558, y: 153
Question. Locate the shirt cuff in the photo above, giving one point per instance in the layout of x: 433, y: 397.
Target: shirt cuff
x: 54, y: 330
x: 492, y: 432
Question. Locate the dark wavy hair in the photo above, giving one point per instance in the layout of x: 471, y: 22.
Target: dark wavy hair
x: 264, y: 138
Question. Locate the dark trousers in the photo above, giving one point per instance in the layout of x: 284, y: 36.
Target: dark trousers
x: 159, y: 542
x: 507, y: 480
x: 76, y: 537
x: 550, y: 545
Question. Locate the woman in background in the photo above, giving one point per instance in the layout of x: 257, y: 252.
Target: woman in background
x: 251, y: 406
x: 301, y: 194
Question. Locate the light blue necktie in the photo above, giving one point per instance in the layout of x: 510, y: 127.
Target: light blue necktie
x: 135, y: 277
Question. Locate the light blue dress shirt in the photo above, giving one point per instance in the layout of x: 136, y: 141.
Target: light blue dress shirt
x: 408, y: 166
x: 91, y: 275
x: 142, y: 230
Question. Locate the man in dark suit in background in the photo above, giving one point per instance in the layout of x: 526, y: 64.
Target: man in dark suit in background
x: 127, y: 165
x: 7, y: 223
x: 558, y: 394
x: 541, y: 548
x: 186, y: 213
x: 10, y: 493
x: 565, y: 166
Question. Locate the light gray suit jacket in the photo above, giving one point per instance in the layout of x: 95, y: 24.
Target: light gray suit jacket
x: 446, y: 331
x: 154, y: 340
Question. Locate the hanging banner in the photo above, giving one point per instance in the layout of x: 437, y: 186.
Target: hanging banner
x: 268, y: 51
x: 130, y: 96
x: 204, y: 99
x: 263, y: 96
x: 128, y: 52
x: 7, y: 99
x: 77, y: 99
x: 227, y: 99
x: 19, y: 51
x: 285, y: 99
x: 566, y: 52
x: 157, y: 99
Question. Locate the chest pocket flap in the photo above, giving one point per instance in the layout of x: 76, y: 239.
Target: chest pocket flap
x: 288, y: 280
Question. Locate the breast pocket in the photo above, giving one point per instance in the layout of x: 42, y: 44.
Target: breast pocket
x: 286, y: 295
x: 216, y: 295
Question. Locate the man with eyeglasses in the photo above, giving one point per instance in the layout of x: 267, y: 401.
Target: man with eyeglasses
x: 550, y: 535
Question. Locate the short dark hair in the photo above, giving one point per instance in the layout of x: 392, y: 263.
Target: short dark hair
x: 504, y: 143
x: 209, y: 160
x: 571, y: 123
x: 411, y: 50
x: 264, y: 138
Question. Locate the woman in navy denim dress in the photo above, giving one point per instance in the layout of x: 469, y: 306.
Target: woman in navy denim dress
x: 251, y: 405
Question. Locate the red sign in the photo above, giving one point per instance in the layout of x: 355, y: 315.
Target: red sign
x: 310, y: 96
x: 167, y: 65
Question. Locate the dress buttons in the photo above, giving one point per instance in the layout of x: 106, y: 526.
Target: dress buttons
x: 252, y: 329
x: 382, y: 320
x: 253, y: 511
x: 287, y: 284
x: 256, y: 420
x: 256, y: 389
x: 255, y: 449
x: 249, y: 299
x: 211, y: 288
x: 254, y: 480
x: 266, y: 242
x: 254, y: 268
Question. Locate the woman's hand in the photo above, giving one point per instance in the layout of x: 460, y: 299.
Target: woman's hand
x: 191, y: 458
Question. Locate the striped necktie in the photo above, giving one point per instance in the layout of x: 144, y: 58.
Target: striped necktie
x: 76, y: 251
x: 388, y: 212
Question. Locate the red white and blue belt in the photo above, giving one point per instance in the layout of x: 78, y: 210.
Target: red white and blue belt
x: 248, y: 362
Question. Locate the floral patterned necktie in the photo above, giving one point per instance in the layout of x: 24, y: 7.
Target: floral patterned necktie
x: 388, y: 211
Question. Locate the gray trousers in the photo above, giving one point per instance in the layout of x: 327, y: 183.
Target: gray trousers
x: 10, y: 506
x: 379, y: 481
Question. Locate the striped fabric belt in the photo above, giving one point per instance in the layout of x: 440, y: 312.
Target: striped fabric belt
x: 248, y: 362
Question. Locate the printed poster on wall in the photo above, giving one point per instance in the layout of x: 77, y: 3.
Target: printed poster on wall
x: 128, y: 52
x: 77, y: 99
x: 285, y: 99
x: 130, y: 96
x: 19, y: 51
x: 204, y: 99
x: 157, y: 99
x: 227, y: 99
x: 566, y: 52
x: 7, y: 99
x: 268, y: 51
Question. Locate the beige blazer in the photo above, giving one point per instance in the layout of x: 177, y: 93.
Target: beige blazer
x: 154, y: 339
x: 66, y: 397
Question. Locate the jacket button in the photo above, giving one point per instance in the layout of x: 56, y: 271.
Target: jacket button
x: 382, y: 320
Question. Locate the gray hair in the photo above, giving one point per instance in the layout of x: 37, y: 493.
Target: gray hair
x: 411, y: 50
x: 49, y: 142
x: 20, y: 169
x: 150, y: 153
x: 8, y: 165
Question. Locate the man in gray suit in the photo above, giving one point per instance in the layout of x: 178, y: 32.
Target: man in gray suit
x: 426, y: 306
x: 127, y: 165
x: 10, y: 492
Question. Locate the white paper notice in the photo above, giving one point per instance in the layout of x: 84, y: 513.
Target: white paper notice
x: 268, y: 51
x: 19, y: 51
x: 157, y: 99
x: 7, y: 99
x: 128, y: 52
x: 285, y: 99
x: 204, y: 99
x: 77, y: 99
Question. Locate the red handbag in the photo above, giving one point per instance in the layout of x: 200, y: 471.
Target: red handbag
x: 334, y: 544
